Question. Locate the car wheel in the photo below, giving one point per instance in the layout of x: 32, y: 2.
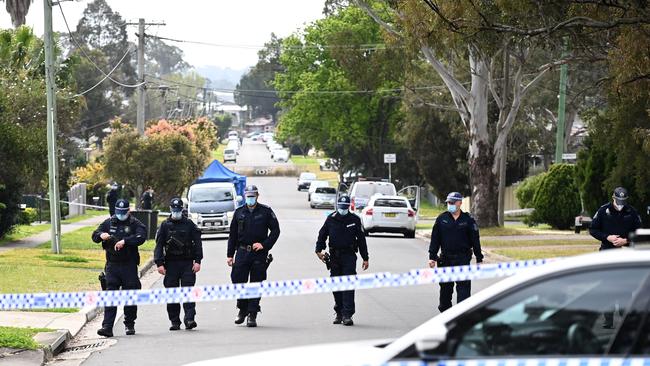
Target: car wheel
x: 309, y: 198
x: 312, y: 206
x: 409, y: 234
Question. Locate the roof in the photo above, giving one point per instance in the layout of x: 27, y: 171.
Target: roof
x: 217, y: 172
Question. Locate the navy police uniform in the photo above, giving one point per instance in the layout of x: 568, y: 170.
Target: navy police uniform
x: 455, y: 240
x: 178, y: 247
x: 250, y: 225
x: 346, y: 238
x: 121, y: 265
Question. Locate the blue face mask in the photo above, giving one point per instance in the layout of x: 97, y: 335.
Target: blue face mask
x: 452, y: 208
x: 122, y: 217
x: 342, y: 211
x: 177, y: 215
x: 251, y: 201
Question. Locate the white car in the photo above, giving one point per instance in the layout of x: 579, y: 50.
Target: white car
x: 315, y: 184
x: 389, y: 214
x: 229, y: 155
x: 277, y: 149
x: 550, y: 311
x: 305, y: 179
x: 280, y: 156
x: 361, y: 192
x: 323, y: 197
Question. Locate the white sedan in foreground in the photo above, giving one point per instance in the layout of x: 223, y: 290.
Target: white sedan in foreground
x: 561, y: 309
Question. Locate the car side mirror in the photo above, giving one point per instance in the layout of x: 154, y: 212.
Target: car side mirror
x: 426, y: 345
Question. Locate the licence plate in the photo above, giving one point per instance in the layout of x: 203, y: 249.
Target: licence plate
x: 390, y: 214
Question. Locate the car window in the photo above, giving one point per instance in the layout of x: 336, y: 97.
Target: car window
x: 383, y: 202
x: 326, y: 190
x: 307, y: 176
x: 565, y: 315
x: 367, y: 190
x: 229, y: 151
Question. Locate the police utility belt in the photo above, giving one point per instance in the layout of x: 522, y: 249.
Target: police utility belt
x: 248, y: 248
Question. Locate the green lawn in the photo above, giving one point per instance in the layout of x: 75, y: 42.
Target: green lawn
x: 430, y: 211
x: 20, y: 338
x: 76, y: 269
x: 536, y: 243
x: 89, y: 214
x: 22, y: 231
x: 540, y: 253
x: 218, y: 153
x: 312, y: 165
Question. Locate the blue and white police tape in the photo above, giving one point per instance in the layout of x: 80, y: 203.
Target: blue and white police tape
x: 569, y: 361
x: 262, y: 289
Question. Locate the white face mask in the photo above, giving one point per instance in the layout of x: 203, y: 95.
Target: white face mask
x: 177, y: 215
x: 618, y: 208
x: 342, y: 211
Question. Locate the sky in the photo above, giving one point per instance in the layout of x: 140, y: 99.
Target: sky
x: 226, y: 22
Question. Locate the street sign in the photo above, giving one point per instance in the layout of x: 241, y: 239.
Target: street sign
x: 569, y: 156
x: 390, y: 158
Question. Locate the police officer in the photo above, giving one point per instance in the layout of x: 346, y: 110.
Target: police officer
x: 178, y: 255
x: 120, y: 236
x: 146, y: 201
x: 111, y: 198
x: 346, y: 238
x: 611, y: 225
x: 253, y: 232
x: 455, y: 235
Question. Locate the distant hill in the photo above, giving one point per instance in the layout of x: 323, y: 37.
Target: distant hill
x: 220, y: 77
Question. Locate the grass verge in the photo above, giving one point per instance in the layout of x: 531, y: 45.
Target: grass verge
x: 218, y: 153
x: 22, y: 231
x: 543, y: 252
x: 20, y: 338
x: 89, y: 214
x: 525, y: 244
x: 312, y: 165
x: 427, y: 210
x: 76, y: 269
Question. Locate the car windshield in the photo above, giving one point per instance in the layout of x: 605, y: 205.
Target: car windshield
x: 390, y: 203
x: 326, y: 190
x: 367, y: 190
x: 229, y: 151
x: 307, y: 176
x: 212, y: 194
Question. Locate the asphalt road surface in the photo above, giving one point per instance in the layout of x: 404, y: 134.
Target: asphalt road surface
x: 284, y: 321
x: 255, y: 154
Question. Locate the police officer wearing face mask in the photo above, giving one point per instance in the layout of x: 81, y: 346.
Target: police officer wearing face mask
x: 346, y: 238
x: 454, y: 235
x: 178, y: 255
x: 611, y: 226
x: 120, y: 236
x: 253, y: 232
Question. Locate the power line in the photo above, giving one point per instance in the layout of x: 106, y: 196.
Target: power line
x: 361, y: 47
x: 105, y: 77
x: 83, y: 51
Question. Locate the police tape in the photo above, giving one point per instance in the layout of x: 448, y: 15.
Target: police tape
x: 568, y: 361
x: 263, y: 289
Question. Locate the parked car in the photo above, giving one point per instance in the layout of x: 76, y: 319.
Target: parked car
x: 281, y: 156
x: 361, y: 192
x: 212, y: 205
x: 230, y: 155
x: 323, y: 197
x: 389, y: 214
x: 305, y: 180
x: 315, y: 184
x: 551, y: 311
x: 266, y: 136
x: 277, y: 150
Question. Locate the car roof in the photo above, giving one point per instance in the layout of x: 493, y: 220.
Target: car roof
x: 435, y: 325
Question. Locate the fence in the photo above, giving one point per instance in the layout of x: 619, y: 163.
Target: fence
x: 77, y: 194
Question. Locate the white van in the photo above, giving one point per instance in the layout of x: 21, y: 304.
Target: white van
x: 233, y: 145
x: 234, y: 134
x: 229, y: 154
x: 362, y: 191
x: 212, y: 205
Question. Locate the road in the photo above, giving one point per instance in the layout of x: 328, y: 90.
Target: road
x: 284, y: 321
x: 255, y: 154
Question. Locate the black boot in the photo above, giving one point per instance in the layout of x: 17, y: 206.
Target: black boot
x: 347, y: 321
x: 190, y: 324
x: 241, y: 316
x: 130, y: 329
x: 338, y: 319
x: 252, y: 320
x: 175, y: 326
x: 105, y: 332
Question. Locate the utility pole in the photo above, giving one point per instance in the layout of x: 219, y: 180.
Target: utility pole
x: 52, y: 150
x: 559, y: 135
x: 141, y: 96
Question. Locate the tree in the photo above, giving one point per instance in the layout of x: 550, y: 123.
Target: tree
x: 163, y: 59
x: 255, y: 88
x: 559, y: 213
x: 18, y: 10
x: 488, y: 35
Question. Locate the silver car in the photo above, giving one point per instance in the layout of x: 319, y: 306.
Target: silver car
x: 323, y: 197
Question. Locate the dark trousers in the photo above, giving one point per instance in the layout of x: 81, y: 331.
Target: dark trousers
x: 463, y: 288
x: 344, y: 265
x: 179, y: 273
x: 249, y: 266
x: 121, y: 276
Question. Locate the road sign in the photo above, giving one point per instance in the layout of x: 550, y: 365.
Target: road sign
x: 569, y: 156
x: 390, y: 158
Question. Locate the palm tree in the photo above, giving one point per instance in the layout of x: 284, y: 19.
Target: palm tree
x: 18, y: 10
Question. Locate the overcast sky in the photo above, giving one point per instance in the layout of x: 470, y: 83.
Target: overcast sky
x: 231, y: 22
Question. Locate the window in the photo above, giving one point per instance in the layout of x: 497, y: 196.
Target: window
x: 382, y: 202
x: 326, y: 190
x: 211, y: 195
x: 560, y: 316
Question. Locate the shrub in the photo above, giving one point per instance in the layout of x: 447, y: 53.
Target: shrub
x: 526, y: 190
x: 557, y: 200
x: 27, y: 216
